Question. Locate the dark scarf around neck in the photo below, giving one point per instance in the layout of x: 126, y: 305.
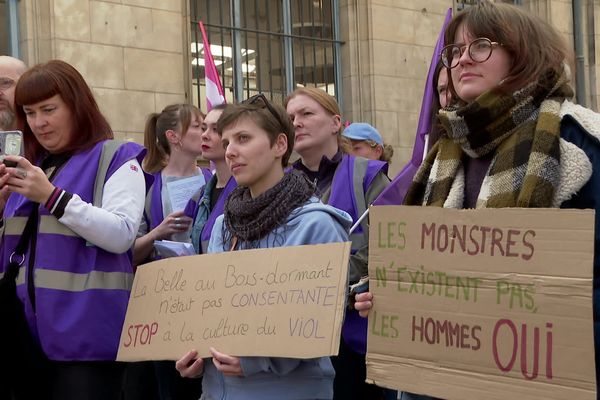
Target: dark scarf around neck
x: 249, y: 220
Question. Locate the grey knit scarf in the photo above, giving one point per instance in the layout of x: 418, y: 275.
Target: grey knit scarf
x: 249, y: 220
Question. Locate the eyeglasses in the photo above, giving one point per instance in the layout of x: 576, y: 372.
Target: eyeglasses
x: 6, y: 83
x: 480, y: 50
x: 261, y: 97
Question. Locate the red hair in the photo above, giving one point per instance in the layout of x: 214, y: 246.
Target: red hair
x: 56, y: 77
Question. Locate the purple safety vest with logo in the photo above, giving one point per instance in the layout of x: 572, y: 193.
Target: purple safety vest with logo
x: 344, y: 192
x: 81, y: 291
x: 156, y: 212
x: 215, y: 212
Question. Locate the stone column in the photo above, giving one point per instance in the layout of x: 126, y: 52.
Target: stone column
x: 385, y: 58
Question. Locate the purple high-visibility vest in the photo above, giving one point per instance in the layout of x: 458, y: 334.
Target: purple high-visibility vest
x: 204, y: 218
x: 154, y: 213
x: 81, y: 291
x: 215, y: 212
x: 352, y: 179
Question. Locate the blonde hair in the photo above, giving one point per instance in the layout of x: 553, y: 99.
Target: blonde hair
x: 329, y: 104
x: 387, y: 154
x: 387, y: 150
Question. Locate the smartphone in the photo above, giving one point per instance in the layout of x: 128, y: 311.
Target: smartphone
x: 11, y: 144
x: 359, y: 287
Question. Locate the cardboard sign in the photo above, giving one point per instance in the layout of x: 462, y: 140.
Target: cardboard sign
x: 280, y: 302
x: 473, y: 304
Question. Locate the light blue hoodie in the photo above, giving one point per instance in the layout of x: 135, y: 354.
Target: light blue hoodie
x: 268, y: 378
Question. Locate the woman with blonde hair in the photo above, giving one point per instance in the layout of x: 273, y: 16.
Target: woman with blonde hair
x: 350, y: 184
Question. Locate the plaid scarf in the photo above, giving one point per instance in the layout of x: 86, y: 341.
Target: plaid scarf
x: 521, y: 130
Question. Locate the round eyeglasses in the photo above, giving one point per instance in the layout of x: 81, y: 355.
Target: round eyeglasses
x: 479, y: 50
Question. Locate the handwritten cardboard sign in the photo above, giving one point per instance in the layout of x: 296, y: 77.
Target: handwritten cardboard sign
x: 472, y: 304
x: 281, y: 302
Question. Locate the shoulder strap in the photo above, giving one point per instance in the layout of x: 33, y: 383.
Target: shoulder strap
x: 360, y: 172
x: 31, y: 224
x: 109, y: 149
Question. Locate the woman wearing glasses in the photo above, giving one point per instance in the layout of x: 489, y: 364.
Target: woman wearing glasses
x: 350, y: 184
x: 267, y: 209
x: 513, y: 119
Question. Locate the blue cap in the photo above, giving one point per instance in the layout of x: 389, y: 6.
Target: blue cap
x: 362, y: 131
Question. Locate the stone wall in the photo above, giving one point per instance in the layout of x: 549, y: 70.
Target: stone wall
x: 385, y: 59
x: 133, y: 53
x: 388, y: 48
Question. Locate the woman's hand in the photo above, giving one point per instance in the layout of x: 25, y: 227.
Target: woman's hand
x: 25, y: 179
x: 176, y: 222
x: 189, y: 366
x: 227, y: 365
x: 364, y: 303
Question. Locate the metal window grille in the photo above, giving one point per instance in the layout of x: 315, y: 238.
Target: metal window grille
x: 460, y: 5
x: 268, y: 46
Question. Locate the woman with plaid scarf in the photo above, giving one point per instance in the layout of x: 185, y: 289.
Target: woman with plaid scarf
x: 513, y: 138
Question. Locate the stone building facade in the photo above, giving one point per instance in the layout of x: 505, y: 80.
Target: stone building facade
x: 135, y: 54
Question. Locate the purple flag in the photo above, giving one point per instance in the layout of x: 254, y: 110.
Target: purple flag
x: 395, y: 192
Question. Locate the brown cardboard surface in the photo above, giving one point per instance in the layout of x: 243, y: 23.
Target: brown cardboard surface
x: 451, y: 317
x: 281, y: 302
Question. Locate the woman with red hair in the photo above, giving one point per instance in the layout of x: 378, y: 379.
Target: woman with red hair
x: 76, y: 201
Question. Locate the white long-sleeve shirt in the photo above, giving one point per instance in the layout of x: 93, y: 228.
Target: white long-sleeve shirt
x: 112, y: 227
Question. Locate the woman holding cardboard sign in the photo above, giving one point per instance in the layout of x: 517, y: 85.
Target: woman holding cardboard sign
x: 351, y: 184
x: 514, y: 139
x: 267, y: 209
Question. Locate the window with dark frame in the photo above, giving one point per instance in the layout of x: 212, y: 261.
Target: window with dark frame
x: 264, y: 44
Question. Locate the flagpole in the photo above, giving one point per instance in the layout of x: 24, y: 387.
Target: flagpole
x: 363, y: 216
x: 394, y: 193
x: 214, y: 90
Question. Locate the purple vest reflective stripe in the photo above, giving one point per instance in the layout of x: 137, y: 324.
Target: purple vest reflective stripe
x: 156, y: 208
x: 73, y: 322
x: 354, y: 329
x: 215, y: 212
x: 344, y: 186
